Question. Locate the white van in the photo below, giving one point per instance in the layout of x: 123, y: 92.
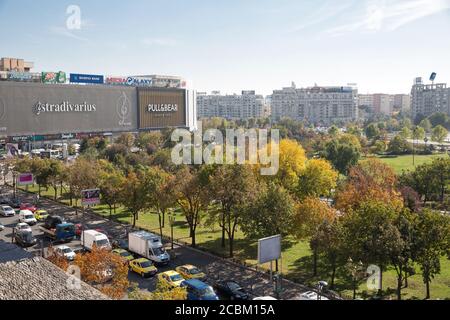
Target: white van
x: 148, y: 245
x: 89, y: 238
x: 26, y: 216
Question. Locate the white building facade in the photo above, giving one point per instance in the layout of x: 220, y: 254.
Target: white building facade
x: 427, y: 99
x: 323, y: 105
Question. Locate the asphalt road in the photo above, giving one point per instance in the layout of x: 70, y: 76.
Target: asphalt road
x: 214, y: 267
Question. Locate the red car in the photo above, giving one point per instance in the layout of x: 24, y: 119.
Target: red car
x: 28, y: 206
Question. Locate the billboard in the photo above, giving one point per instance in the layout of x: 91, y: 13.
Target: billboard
x: 53, y: 77
x: 86, y: 78
x: 25, y: 179
x: 160, y: 108
x: 90, y: 197
x: 269, y: 249
x: 33, y: 109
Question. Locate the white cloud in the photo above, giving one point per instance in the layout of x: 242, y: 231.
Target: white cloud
x: 383, y: 15
x: 162, y: 42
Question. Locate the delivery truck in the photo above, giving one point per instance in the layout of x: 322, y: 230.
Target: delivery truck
x: 89, y: 238
x: 148, y: 245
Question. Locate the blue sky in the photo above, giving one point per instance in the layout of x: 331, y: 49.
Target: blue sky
x: 238, y: 44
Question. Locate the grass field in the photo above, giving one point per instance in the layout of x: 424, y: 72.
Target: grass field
x: 401, y: 163
x: 296, y: 258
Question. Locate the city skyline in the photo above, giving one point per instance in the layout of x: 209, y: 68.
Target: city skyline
x: 234, y: 46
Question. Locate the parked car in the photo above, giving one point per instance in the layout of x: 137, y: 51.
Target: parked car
x: 7, y: 211
x: 143, y: 267
x: 27, y: 216
x: 198, y: 290
x: 65, y: 252
x: 171, y: 278
x: 22, y: 227
x: 120, y: 244
x: 14, y: 203
x: 40, y: 215
x: 124, y: 254
x: 28, y: 206
x: 232, y: 290
x: 189, y: 271
x: 25, y: 239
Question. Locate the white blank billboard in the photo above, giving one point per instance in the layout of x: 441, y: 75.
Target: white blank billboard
x: 269, y: 249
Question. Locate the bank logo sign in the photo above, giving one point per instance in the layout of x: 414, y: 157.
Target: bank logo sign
x: 63, y: 107
x: 123, y: 109
x: 86, y: 78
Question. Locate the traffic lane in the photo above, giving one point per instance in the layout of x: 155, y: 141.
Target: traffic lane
x: 215, y: 267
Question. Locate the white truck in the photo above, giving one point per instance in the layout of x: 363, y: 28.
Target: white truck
x: 89, y: 238
x: 148, y: 245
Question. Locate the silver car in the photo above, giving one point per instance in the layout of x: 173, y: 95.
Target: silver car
x: 7, y: 211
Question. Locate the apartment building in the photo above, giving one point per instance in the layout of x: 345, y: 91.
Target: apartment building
x: 427, y: 99
x: 316, y: 104
x: 15, y: 64
x: 244, y: 106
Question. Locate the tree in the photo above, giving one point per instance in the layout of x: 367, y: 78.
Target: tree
x: 439, y: 134
x: 342, y: 155
x: 439, y: 119
x: 379, y: 147
x: 82, y: 174
x: 426, y: 125
x: 160, y: 196
x: 328, y: 240
x: 56, y: 169
x: 372, y: 131
x: 270, y: 214
x: 57, y: 259
x: 430, y: 242
x: 369, y: 180
x: 232, y: 186
x: 133, y: 193
x: 190, y: 188
x: 99, y: 266
x: 127, y: 139
x: 370, y: 235
x: 405, y: 133
x: 333, y: 131
x: 399, y: 145
x: 291, y: 163
x: 418, y: 133
x: 309, y: 215
x: 110, y: 182
x: 318, y: 179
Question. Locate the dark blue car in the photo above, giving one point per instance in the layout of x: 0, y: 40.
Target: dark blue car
x: 198, y: 290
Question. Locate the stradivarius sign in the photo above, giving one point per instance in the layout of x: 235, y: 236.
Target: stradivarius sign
x: 63, y: 107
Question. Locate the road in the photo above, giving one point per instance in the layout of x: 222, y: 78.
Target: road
x: 214, y: 267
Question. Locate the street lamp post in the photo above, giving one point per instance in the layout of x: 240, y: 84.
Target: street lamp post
x: 172, y: 221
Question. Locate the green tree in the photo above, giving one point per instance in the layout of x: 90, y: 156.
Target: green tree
x: 191, y: 190
x: 370, y: 235
x: 372, y: 131
x: 430, y: 243
x: 133, y: 193
x: 342, y: 155
x: 232, y: 186
x: 398, y: 145
x: 426, y: 125
x: 111, y: 180
x: 439, y: 134
x: 318, y: 179
x: 418, y: 133
x: 405, y: 133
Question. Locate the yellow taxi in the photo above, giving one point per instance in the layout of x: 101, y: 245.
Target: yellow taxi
x: 40, y: 215
x: 171, y: 278
x: 143, y: 267
x: 189, y: 271
x: 124, y: 254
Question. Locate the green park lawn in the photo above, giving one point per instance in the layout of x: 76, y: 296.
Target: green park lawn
x: 401, y: 163
x: 296, y: 258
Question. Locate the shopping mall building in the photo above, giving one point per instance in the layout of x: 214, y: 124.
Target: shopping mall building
x: 35, y: 112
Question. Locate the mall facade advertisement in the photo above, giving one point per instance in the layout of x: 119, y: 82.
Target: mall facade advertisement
x: 36, y: 111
